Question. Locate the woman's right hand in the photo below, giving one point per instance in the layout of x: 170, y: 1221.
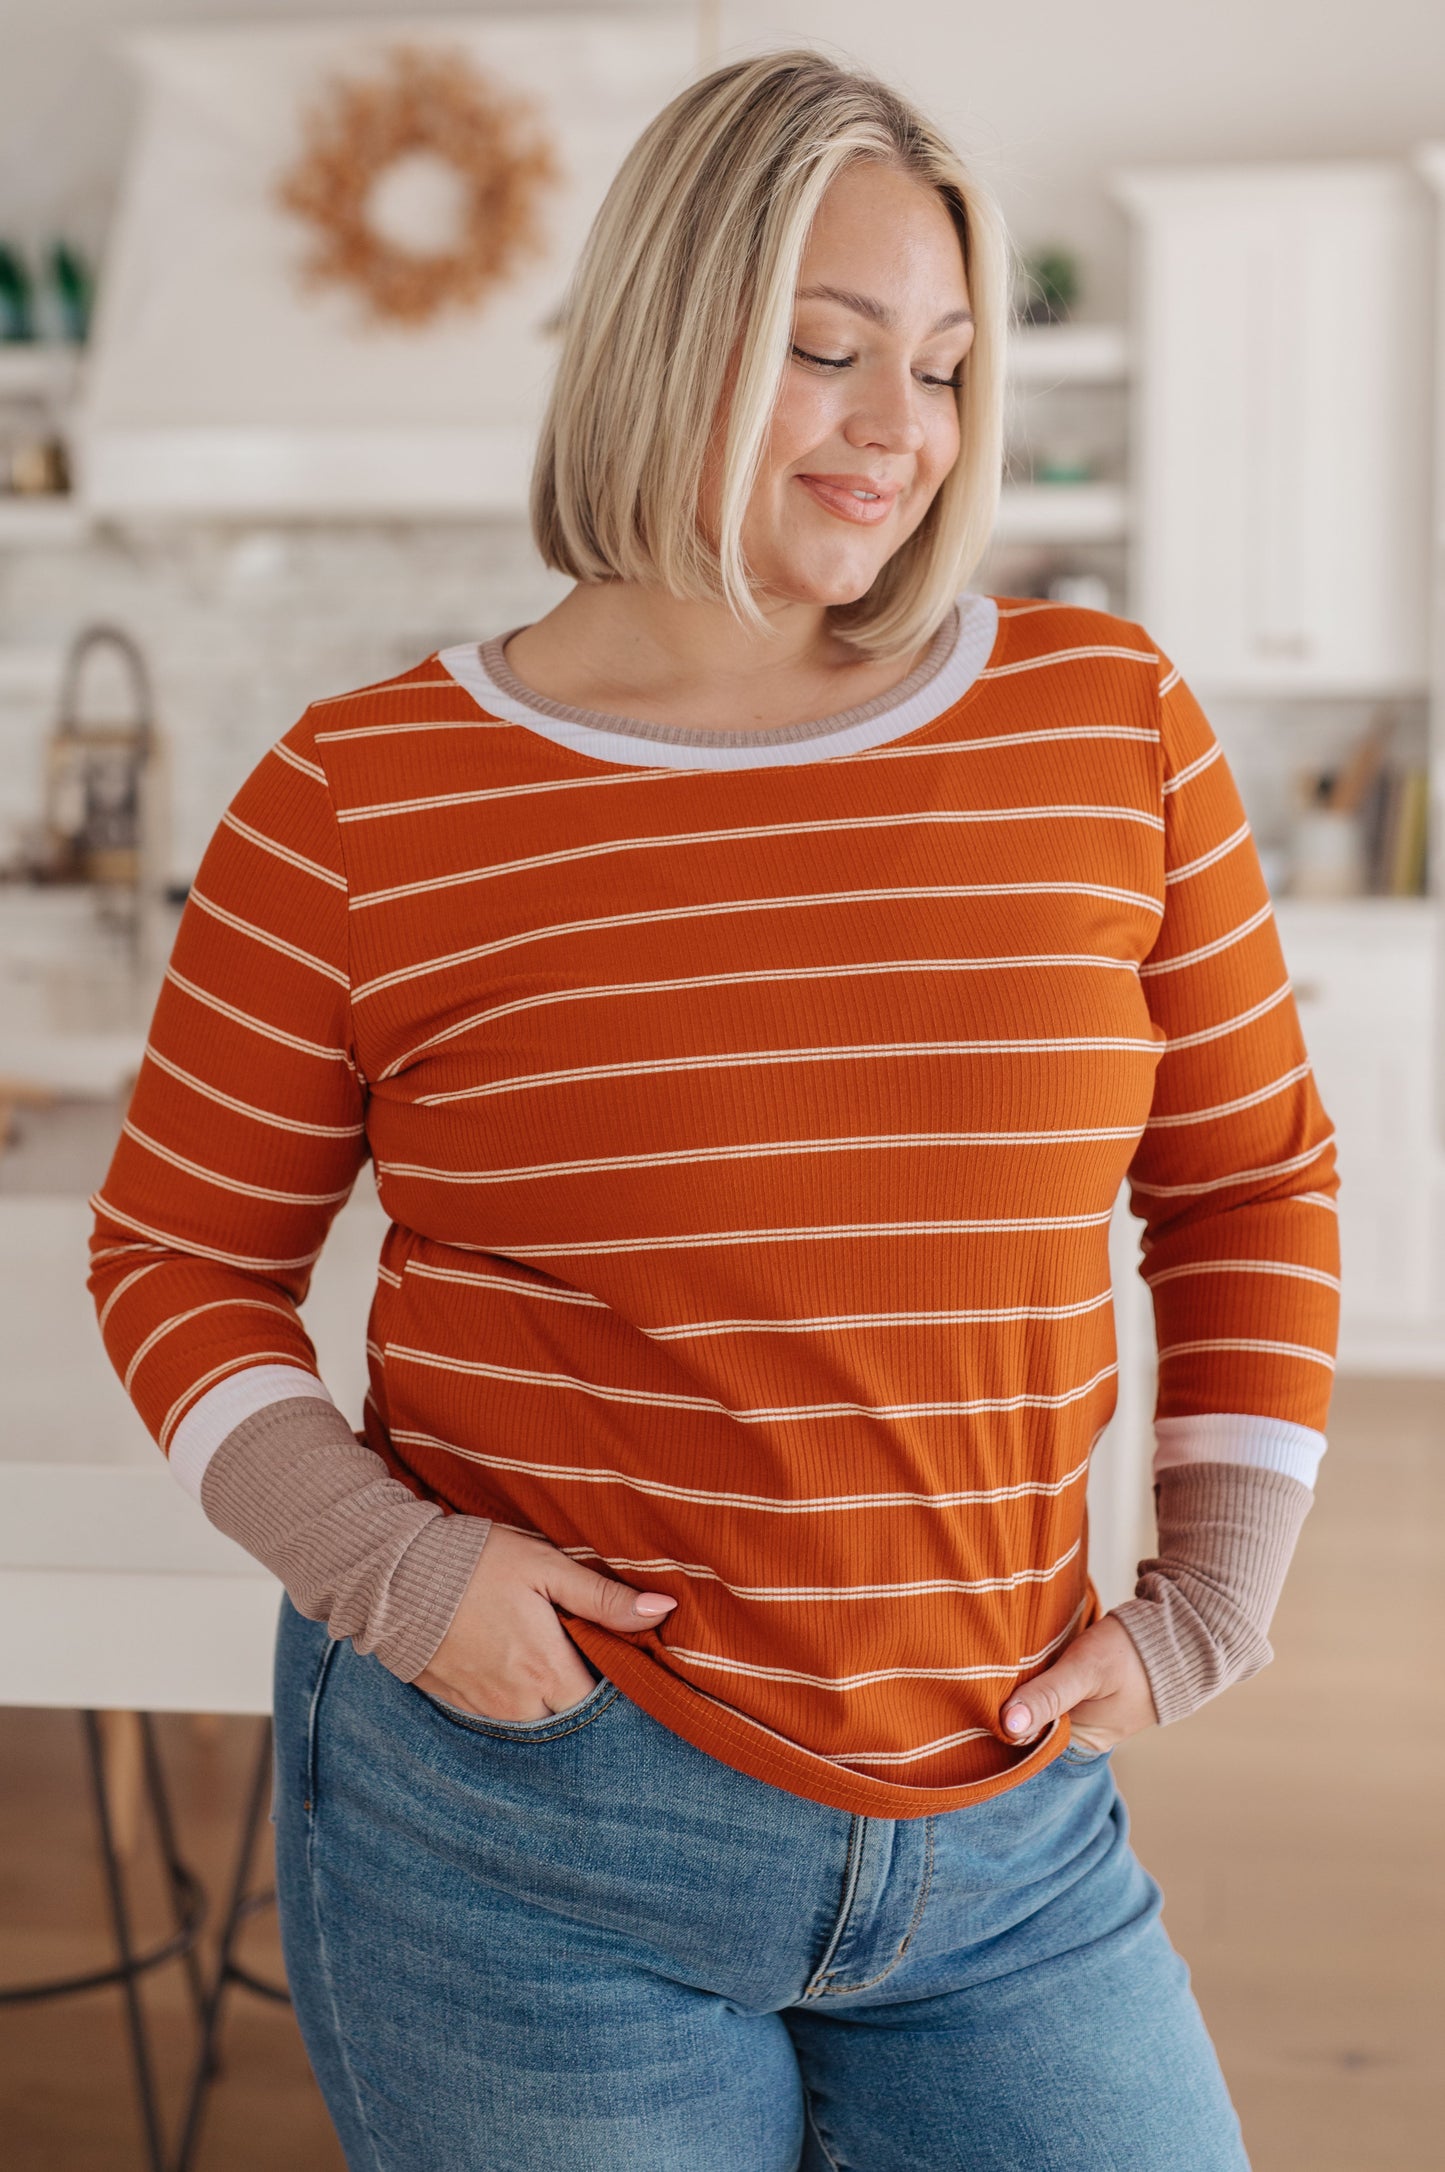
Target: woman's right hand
x: 506, y: 1655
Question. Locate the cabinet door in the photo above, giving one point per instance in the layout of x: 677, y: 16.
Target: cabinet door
x: 1281, y: 411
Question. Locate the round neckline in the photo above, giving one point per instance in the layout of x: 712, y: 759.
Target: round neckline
x: 945, y: 675
x: 935, y: 656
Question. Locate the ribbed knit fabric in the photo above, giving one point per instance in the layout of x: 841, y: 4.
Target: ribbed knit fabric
x: 1202, y: 1608
x: 750, y: 1138
x: 353, y: 1546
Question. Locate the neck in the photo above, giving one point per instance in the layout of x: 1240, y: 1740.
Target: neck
x: 626, y: 650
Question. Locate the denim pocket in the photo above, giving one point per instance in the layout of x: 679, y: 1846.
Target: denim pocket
x: 547, y: 1729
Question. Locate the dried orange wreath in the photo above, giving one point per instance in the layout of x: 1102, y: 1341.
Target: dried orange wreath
x: 429, y: 101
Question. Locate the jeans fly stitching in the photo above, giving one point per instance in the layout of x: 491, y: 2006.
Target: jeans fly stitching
x: 845, y: 1990
x: 817, y: 1982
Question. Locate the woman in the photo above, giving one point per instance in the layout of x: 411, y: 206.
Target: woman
x: 752, y: 983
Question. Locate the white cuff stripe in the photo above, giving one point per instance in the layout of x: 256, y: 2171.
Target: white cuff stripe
x: 1224, y: 1436
x: 240, y: 1395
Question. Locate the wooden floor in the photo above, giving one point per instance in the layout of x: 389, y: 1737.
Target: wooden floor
x: 1295, y: 1827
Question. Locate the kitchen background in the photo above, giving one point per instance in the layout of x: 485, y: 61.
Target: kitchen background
x: 1226, y: 422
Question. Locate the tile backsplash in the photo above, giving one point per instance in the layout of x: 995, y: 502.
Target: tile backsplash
x: 242, y: 627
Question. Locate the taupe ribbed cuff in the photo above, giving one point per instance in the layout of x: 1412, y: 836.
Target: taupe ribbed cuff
x: 353, y: 1546
x: 1203, y: 1606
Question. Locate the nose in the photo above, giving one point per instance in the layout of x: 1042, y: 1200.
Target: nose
x: 889, y: 419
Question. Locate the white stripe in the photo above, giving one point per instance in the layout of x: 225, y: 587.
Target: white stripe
x: 605, y: 847
x: 763, y: 1504
x: 1017, y: 962
x: 380, y: 810
x: 1208, y: 859
x: 1028, y: 610
x: 1072, y: 733
x: 1301, y: 1350
x: 1290, y: 1268
x: 208, y: 1422
x: 1237, y: 1176
x: 804, y: 1233
x: 746, y: 1058
x: 230, y: 1184
x: 1313, y: 1199
x: 378, y: 686
x: 1230, y: 1108
x: 798, y: 1594
x: 283, y: 852
x: 247, y: 1108
x: 605, y: 922
x: 1193, y: 769
x: 260, y: 935
x: 1170, y: 680
x: 1208, y: 950
x: 187, y: 1248
x: 503, y: 1282
x: 137, y: 1274
x: 912, y: 1757
x: 688, y: 1330
x: 1230, y: 1025
x: 870, y: 1675
x: 179, y: 1319
x: 420, y: 724
x: 1217, y: 1436
x: 685, y: 1156
x: 1068, y: 656
x: 256, y: 1025
x: 781, y: 1413
x: 284, y: 1359
x: 299, y: 761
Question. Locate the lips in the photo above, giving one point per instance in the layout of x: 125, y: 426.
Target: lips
x: 859, y: 498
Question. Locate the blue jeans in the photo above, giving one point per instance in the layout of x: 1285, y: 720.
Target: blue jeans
x: 581, y: 1945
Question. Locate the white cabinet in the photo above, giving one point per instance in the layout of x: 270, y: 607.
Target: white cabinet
x: 1280, y: 425
x: 1364, y: 981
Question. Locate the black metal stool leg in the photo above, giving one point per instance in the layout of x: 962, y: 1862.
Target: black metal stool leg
x: 130, y: 1974
x: 226, y: 1970
x: 186, y: 1893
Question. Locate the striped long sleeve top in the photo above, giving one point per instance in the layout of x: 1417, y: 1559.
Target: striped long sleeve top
x: 749, y: 1113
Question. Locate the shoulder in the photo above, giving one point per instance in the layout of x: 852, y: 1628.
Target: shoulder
x: 424, y: 693
x: 1034, y: 630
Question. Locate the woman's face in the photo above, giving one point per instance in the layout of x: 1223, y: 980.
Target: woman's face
x: 866, y: 425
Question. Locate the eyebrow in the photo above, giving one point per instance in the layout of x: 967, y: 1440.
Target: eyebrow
x: 865, y: 305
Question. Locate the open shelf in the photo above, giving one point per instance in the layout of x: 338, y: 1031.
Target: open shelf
x: 1062, y: 513
x: 1072, y: 354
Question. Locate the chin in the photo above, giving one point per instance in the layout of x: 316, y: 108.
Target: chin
x: 830, y: 586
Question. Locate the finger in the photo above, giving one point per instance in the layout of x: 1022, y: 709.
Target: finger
x: 1057, y: 1690
x: 602, y: 1598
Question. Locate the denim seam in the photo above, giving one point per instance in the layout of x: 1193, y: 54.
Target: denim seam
x: 496, y: 1734
x: 818, y: 1981
x: 845, y: 1990
x: 817, y: 2135
x: 323, y: 1954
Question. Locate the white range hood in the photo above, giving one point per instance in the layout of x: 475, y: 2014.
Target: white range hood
x: 219, y: 385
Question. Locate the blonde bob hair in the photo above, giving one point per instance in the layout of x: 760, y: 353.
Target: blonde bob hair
x: 683, y: 298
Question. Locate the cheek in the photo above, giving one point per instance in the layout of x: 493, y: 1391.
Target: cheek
x: 804, y: 418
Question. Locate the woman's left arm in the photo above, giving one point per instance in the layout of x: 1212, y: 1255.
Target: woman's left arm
x: 1235, y: 1181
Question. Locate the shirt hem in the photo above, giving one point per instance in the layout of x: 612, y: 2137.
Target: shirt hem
x: 749, y: 1748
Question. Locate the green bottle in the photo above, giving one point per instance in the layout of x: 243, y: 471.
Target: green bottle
x: 73, y: 287
x: 17, y: 300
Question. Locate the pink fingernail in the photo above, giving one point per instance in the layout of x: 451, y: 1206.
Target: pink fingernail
x: 652, y: 1602
x: 1016, y: 1719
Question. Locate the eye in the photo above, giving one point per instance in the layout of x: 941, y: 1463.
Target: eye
x: 940, y: 384
x: 822, y: 361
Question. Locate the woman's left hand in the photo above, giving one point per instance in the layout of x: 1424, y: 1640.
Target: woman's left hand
x: 1099, y: 1681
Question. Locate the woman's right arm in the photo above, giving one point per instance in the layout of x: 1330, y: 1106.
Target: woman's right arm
x: 244, y: 1136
